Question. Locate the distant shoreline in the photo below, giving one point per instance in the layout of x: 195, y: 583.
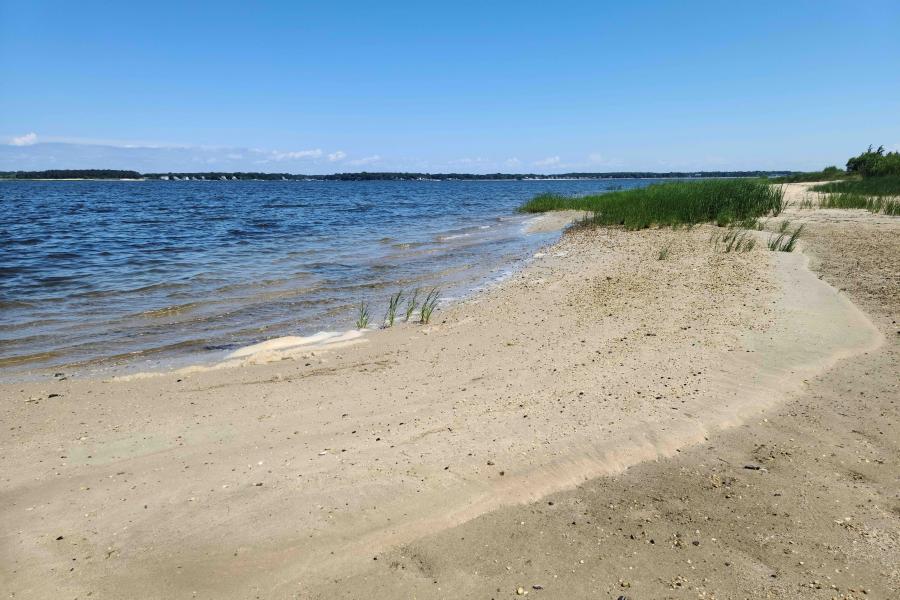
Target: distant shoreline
x: 111, y: 175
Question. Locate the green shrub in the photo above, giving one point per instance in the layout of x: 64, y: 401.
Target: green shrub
x: 875, y: 163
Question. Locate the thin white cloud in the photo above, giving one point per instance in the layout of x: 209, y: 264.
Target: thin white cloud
x: 365, y: 161
x: 296, y: 155
x: 513, y: 162
x: 468, y: 161
x: 24, y: 140
x: 596, y: 159
x: 335, y: 156
x: 550, y: 161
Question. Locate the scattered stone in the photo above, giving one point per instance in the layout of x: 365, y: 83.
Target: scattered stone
x: 753, y: 467
x: 59, y: 537
x: 537, y: 587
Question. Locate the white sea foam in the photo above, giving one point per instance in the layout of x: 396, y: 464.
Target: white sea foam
x: 293, y: 343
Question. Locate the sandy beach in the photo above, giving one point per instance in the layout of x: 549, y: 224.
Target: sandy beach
x: 601, y: 424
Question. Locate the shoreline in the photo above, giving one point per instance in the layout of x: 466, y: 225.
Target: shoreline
x: 145, y: 364
x: 593, y: 358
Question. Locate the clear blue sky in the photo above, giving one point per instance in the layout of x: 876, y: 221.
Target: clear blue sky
x: 518, y: 87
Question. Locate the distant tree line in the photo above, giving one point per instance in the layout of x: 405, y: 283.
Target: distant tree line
x: 403, y: 176
x: 72, y: 174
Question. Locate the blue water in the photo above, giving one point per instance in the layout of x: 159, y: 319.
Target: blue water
x: 101, y: 273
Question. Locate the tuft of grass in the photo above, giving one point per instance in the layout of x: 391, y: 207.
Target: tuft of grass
x: 428, y: 305
x: 723, y: 201
x: 362, y: 315
x: 779, y: 203
x: 663, y: 253
x: 393, y: 304
x: 412, y: 303
x: 808, y: 202
x: 734, y: 239
x: 784, y: 240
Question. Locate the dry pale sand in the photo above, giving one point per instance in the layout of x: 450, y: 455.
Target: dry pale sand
x: 488, y: 451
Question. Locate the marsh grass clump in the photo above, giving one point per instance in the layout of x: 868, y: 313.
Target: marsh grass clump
x: 547, y: 201
x: 873, y: 204
x: 362, y: 315
x: 393, y: 304
x: 779, y: 203
x: 722, y: 201
x: 808, y: 202
x: 875, y: 194
x: 784, y: 240
x: 428, y: 305
x: 734, y: 239
x: 412, y: 303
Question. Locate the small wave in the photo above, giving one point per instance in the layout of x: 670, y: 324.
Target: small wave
x: 20, y: 359
x: 153, y: 287
x: 168, y: 310
x: 408, y: 245
x: 24, y: 241
x: 13, y: 270
x: 455, y: 236
x: 6, y: 304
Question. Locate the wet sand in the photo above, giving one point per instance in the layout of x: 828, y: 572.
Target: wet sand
x: 630, y: 392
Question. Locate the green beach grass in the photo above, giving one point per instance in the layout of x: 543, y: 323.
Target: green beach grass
x: 875, y: 194
x: 889, y: 185
x: 723, y: 201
